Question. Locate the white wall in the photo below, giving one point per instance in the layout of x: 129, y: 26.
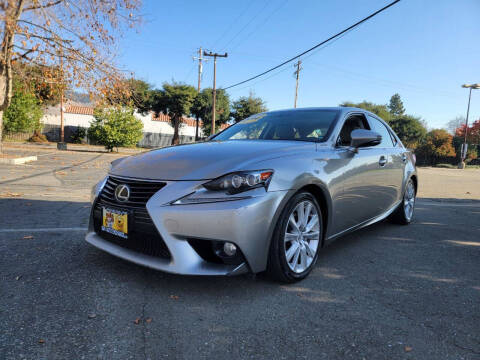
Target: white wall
x: 52, y: 116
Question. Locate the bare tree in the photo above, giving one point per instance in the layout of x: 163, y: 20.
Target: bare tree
x: 75, y: 37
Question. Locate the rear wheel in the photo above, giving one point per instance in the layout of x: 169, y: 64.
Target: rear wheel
x: 297, y: 239
x: 404, y: 213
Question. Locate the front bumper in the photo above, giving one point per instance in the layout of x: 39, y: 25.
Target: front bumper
x: 248, y: 223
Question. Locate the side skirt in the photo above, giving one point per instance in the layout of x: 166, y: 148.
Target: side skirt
x: 363, y: 224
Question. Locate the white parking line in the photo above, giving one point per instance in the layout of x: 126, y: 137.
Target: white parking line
x: 43, y: 230
x: 446, y: 204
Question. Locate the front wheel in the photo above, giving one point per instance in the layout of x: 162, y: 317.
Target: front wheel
x: 404, y: 213
x: 296, y: 240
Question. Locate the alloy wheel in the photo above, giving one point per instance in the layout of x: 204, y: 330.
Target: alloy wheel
x: 409, y: 200
x: 302, y: 236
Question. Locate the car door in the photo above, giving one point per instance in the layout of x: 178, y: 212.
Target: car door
x: 388, y: 181
x: 356, y: 202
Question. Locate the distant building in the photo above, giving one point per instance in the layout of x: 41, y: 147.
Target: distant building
x: 158, y: 130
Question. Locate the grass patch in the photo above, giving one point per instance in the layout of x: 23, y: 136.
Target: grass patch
x: 446, y: 166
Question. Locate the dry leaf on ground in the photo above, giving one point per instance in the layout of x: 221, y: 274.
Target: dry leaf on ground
x: 10, y: 194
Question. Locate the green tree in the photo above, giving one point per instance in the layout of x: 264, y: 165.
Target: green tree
x: 114, y: 127
x: 247, y: 106
x: 202, y: 108
x: 82, y: 33
x: 135, y: 93
x: 409, y: 129
x: 175, y: 100
x: 437, y: 145
x: 24, y: 112
x: 396, y: 105
x: 380, y: 110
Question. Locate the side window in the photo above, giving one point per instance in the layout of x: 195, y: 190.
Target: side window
x: 378, y: 127
x: 352, y: 123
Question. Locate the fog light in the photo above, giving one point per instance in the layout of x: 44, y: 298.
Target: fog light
x: 229, y: 249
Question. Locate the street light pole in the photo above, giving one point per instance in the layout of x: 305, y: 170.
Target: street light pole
x: 463, y: 154
x: 466, y: 122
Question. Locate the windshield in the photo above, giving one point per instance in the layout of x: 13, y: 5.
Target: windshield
x: 299, y: 125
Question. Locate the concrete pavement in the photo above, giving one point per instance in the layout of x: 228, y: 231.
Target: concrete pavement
x: 385, y: 292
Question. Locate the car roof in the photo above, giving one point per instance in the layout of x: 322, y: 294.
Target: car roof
x: 342, y: 109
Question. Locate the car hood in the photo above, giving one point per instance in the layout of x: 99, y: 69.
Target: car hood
x: 203, y: 161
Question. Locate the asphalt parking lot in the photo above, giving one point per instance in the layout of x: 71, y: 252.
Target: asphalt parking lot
x: 384, y: 292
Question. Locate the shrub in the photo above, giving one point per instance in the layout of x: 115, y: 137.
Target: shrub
x: 23, y: 114
x: 78, y: 137
x: 114, y: 127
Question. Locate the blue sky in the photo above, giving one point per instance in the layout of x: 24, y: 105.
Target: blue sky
x: 422, y: 49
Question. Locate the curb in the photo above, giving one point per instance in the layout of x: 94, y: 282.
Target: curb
x: 18, y: 161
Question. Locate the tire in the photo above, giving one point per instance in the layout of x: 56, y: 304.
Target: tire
x: 296, y: 243
x: 403, y: 214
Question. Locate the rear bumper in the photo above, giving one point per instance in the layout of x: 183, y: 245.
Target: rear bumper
x: 248, y: 223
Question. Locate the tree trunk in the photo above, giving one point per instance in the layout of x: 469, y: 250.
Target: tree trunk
x: 3, y: 95
x: 176, y: 125
x: 10, y: 17
x: 1, y: 131
x: 196, y: 129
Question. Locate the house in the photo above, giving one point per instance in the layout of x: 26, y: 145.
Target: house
x: 157, y: 129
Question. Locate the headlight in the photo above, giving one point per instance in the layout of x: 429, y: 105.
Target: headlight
x: 238, y: 182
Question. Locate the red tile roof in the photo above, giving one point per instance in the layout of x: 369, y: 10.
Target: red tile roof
x: 77, y: 109
x: 86, y: 110
x: 165, y: 118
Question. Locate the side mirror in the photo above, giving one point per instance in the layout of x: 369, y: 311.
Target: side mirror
x: 362, y: 137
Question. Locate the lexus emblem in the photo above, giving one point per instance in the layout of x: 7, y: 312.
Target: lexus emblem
x: 122, y: 192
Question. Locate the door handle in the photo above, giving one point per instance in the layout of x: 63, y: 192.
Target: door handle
x: 382, y: 161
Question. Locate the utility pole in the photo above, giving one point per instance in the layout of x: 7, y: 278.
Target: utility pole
x: 214, y: 55
x: 463, y: 155
x: 297, y: 74
x: 62, y: 127
x: 61, y: 145
x: 200, y: 70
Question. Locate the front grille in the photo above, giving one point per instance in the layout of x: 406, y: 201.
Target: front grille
x: 143, y: 236
x: 140, y: 191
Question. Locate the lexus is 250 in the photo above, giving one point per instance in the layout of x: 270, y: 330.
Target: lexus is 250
x: 265, y: 194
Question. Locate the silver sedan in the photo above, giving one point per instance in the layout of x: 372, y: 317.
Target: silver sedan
x: 266, y: 194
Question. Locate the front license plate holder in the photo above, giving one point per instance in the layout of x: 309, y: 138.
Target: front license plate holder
x: 115, y: 222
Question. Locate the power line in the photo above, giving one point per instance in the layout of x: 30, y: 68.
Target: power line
x: 282, y: 70
x: 233, y: 23
x: 316, y: 46
x: 246, y: 25
x: 262, y: 23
